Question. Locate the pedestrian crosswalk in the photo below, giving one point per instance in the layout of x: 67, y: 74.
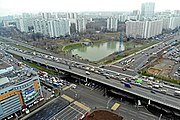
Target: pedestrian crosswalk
x: 115, y: 106
x: 67, y: 98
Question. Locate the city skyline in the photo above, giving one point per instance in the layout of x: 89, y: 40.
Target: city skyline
x: 10, y: 7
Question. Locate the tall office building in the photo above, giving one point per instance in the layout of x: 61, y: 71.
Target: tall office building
x: 147, y: 9
x: 112, y: 24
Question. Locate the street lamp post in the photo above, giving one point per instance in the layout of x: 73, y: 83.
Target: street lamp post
x: 160, y: 116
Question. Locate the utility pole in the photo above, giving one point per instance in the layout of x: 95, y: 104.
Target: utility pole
x: 160, y: 116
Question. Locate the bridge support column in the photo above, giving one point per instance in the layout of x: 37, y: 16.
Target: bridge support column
x: 47, y: 67
x: 105, y: 91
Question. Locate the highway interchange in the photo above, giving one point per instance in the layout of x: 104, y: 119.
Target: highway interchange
x: 99, y: 74
x: 137, y: 90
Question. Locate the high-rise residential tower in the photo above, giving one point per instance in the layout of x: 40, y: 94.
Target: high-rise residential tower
x: 147, y: 9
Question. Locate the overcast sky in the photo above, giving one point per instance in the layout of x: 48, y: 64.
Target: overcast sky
x: 19, y: 6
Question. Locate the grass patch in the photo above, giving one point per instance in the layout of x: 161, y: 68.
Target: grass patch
x: 145, y: 72
x: 24, y: 48
x: 71, y: 46
x: 56, y: 92
x: 40, y: 68
x: 130, y: 49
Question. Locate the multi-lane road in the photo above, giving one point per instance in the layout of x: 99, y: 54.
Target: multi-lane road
x: 141, y: 59
x: 136, y: 90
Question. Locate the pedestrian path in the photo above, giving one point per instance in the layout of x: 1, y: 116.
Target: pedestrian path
x: 115, y: 106
x: 81, y: 105
x: 67, y: 98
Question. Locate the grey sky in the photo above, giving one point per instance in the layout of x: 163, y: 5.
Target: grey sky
x: 19, y: 6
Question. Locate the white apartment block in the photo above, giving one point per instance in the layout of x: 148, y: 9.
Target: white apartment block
x: 41, y: 26
x: 143, y: 29
x: 174, y: 22
x: 166, y: 22
x: 123, y: 18
x: 53, y: 28
x: 72, y: 16
x: 112, y: 24
x: 23, y: 23
x: 81, y: 25
x: 153, y: 28
x: 147, y: 9
x: 135, y: 29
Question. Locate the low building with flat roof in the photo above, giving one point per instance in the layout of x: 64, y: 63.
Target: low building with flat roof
x: 4, y: 67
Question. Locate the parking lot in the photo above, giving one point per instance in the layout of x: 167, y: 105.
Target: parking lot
x: 72, y: 112
x: 51, y: 109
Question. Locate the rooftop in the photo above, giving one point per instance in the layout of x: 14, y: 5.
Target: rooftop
x: 4, y: 80
x: 18, y: 75
x: 4, y: 65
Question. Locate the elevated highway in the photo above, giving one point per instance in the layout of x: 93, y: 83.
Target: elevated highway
x: 160, y: 98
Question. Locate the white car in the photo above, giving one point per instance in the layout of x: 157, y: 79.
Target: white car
x: 74, y: 86
x: 41, y: 99
x: 36, y: 102
x: 88, y: 73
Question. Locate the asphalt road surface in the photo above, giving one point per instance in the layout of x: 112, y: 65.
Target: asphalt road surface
x: 137, y: 90
x: 94, y: 98
x: 71, y: 112
x: 51, y: 109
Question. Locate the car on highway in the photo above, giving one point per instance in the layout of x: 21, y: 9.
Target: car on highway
x: 87, y: 72
x: 163, y: 91
x: 124, y: 69
x: 152, y: 91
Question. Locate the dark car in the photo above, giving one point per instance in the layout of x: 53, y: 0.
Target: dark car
x: 152, y: 91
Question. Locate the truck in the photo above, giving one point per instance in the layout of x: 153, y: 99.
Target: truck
x: 126, y: 84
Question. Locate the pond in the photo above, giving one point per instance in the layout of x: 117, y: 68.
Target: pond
x: 97, y: 51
